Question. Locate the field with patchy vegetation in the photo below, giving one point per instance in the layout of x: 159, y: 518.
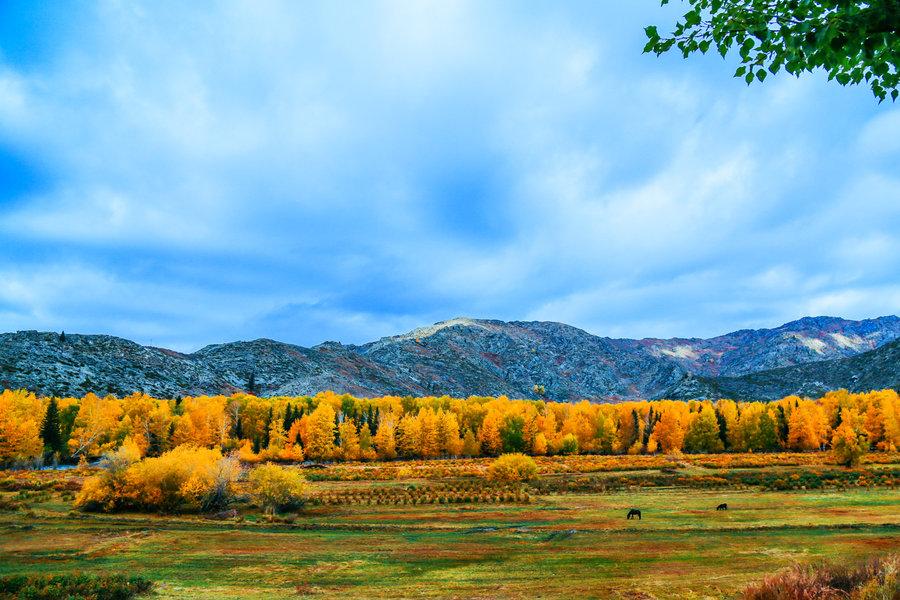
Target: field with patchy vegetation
x: 443, y: 528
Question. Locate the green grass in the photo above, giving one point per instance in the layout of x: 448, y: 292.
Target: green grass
x: 577, y: 545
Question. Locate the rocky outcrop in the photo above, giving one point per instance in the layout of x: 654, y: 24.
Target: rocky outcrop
x: 461, y: 357
x: 873, y: 370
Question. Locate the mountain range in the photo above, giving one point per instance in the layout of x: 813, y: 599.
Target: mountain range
x: 463, y: 357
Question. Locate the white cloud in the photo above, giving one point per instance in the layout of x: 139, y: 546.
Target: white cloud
x: 881, y: 135
x: 351, y: 170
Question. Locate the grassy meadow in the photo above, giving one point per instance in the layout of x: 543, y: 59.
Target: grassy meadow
x: 355, y: 539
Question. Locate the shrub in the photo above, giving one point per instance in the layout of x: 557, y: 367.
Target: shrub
x: 876, y: 579
x: 274, y: 487
x: 513, y: 467
x: 73, y: 587
x: 184, y: 478
x: 569, y: 444
x: 849, y: 444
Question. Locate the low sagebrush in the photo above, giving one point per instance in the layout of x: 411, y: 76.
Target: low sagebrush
x: 877, y: 579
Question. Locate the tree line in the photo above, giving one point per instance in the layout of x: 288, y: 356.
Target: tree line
x: 331, y: 426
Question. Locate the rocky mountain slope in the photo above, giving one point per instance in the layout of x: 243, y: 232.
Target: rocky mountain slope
x: 872, y: 370
x: 459, y: 357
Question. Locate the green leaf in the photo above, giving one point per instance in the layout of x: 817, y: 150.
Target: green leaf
x: 651, y: 32
x: 740, y: 71
x: 761, y: 74
x: 749, y: 77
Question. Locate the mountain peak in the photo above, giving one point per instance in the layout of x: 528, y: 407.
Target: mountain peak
x: 430, y: 330
x: 459, y: 357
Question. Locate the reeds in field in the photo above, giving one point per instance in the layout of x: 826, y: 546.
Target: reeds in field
x: 877, y: 579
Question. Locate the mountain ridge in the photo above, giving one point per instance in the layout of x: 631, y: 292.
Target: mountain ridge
x: 460, y: 357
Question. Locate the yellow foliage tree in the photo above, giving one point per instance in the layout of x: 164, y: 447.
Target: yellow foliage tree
x: 385, y: 441
x: 489, y: 436
x: 95, y: 426
x: 349, y: 440
x: 669, y: 431
x: 806, y: 427
x: 449, y: 442
x: 320, y: 443
x: 21, y: 414
x: 849, y: 442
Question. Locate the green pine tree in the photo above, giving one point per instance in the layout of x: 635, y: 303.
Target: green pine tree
x: 50, y: 430
x: 265, y: 440
x: 288, y: 417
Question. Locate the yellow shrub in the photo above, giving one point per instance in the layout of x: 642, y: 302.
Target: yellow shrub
x: 274, y: 487
x: 247, y: 455
x: 288, y: 453
x: 513, y: 467
x: 186, y: 477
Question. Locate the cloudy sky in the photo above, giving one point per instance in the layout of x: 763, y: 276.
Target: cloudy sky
x: 189, y: 173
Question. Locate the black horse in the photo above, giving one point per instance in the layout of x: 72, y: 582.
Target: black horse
x: 722, y: 506
x: 634, y: 513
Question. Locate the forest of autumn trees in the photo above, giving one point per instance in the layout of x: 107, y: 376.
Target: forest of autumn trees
x: 329, y: 426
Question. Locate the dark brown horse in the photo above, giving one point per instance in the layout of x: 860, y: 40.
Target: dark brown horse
x: 722, y: 506
x: 634, y: 513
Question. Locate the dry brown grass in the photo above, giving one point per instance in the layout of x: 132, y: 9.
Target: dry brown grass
x: 877, y: 579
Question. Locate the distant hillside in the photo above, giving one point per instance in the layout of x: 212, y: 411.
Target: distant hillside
x: 876, y: 369
x: 460, y: 357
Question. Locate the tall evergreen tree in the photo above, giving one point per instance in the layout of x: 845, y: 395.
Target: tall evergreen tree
x: 265, y: 441
x: 251, y: 383
x: 648, y: 428
x: 781, y: 423
x: 154, y: 444
x: 635, y: 428
x: 723, y: 428
x: 288, y: 417
x: 50, y: 431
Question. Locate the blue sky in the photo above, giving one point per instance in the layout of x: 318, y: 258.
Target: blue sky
x: 190, y: 173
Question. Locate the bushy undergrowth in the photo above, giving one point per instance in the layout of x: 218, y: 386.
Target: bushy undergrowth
x: 77, y: 586
x: 275, y: 488
x: 759, y: 478
x: 439, y: 469
x: 878, y: 579
x: 513, y: 467
x: 186, y: 478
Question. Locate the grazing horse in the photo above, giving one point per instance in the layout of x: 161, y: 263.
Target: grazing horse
x: 634, y: 513
x: 722, y: 506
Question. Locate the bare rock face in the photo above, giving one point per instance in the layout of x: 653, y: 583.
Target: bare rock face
x: 873, y: 370
x: 464, y: 357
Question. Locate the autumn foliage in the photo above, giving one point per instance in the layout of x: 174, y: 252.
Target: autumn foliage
x: 513, y: 467
x: 274, y: 487
x: 331, y: 427
x: 185, y: 478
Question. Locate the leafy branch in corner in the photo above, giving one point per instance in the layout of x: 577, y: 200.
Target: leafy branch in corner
x: 854, y: 41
